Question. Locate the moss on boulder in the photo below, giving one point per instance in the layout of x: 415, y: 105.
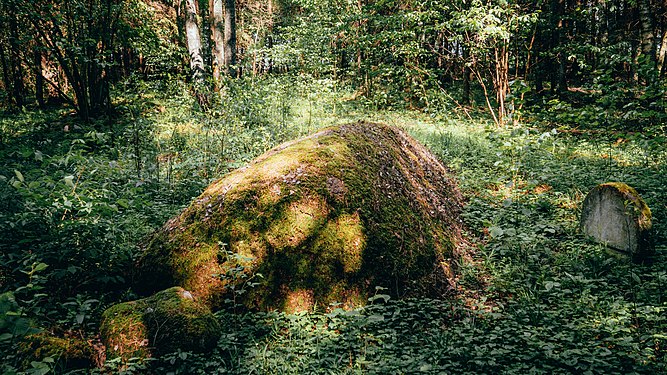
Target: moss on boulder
x: 323, y: 219
x: 66, y: 352
x: 165, y: 322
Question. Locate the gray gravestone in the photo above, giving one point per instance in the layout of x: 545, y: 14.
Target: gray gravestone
x: 614, y: 214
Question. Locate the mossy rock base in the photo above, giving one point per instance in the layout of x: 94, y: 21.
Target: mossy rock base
x: 322, y: 219
x: 66, y: 352
x: 615, y: 215
x: 168, y: 321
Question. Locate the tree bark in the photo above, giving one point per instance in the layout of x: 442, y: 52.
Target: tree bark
x: 501, y: 79
x: 647, y: 36
x: 662, y: 54
x: 230, y: 37
x: 218, y: 36
x: 467, y: 76
x: 39, y: 78
x: 558, y: 64
x: 193, y: 40
x: 646, y: 52
x: 5, y: 73
x: 18, y: 89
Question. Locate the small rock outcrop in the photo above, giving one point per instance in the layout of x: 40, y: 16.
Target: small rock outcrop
x: 165, y: 322
x: 615, y: 215
x: 67, y: 352
x: 319, y: 220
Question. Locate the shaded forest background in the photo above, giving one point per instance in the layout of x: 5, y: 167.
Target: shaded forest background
x: 116, y: 113
x: 504, y: 55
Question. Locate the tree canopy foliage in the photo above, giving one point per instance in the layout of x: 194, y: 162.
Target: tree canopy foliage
x: 393, y: 52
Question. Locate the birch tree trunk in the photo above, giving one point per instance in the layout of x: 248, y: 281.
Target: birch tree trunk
x: 193, y: 40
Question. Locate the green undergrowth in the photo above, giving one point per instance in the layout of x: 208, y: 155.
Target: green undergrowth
x: 535, y: 296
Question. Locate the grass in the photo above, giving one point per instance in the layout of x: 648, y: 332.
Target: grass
x: 535, y: 296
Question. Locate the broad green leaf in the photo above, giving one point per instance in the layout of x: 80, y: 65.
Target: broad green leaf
x: 496, y: 232
x: 69, y: 181
x: 40, y: 267
x: 6, y: 337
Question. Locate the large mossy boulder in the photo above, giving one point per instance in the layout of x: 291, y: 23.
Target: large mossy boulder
x: 615, y: 215
x: 322, y: 219
x: 168, y: 321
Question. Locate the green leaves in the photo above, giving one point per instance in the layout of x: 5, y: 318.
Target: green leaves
x: 19, y: 175
x: 496, y: 232
x: 69, y: 181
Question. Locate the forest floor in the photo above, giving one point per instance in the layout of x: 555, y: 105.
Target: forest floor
x: 536, y: 296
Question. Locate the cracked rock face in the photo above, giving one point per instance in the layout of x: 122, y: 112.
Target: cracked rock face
x: 320, y: 220
x: 614, y: 215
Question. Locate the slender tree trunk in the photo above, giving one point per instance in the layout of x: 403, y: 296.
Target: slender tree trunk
x: 205, y: 31
x: 467, y: 76
x: 39, y: 78
x: 559, y: 78
x: 193, y: 39
x: 127, y: 61
x: 179, y: 7
x: 662, y: 54
x: 647, y: 37
x: 5, y: 72
x: 218, y: 36
x: 230, y: 37
x: 18, y: 89
x: 501, y: 79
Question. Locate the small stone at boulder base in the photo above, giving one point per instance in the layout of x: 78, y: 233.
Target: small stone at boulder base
x: 66, y: 351
x: 168, y: 321
x: 614, y: 214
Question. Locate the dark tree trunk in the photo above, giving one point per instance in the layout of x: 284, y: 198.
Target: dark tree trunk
x: 39, y: 78
x: 18, y: 90
x: 230, y: 37
x: 646, y: 52
x: 7, y: 83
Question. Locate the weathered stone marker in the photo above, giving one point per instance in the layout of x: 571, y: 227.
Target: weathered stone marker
x: 614, y: 214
